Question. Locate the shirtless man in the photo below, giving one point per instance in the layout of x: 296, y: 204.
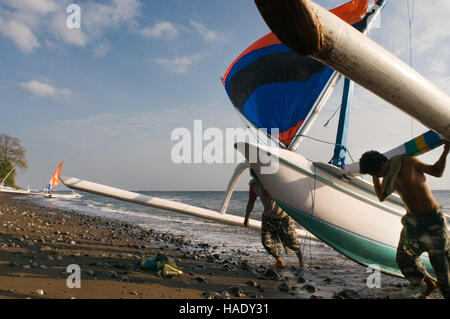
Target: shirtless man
x: 425, y: 225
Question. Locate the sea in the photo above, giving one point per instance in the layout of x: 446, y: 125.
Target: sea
x: 326, y: 269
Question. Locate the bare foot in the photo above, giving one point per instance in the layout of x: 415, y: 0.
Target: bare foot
x: 431, y: 286
x: 301, y: 268
x: 301, y: 265
x: 279, y: 264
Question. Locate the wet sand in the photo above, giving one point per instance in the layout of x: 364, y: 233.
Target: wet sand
x: 37, y: 244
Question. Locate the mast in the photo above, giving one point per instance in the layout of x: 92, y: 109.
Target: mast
x: 3, y: 181
x: 340, y: 149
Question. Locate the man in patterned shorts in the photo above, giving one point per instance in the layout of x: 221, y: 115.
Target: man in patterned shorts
x: 424, y: 224
x: 277, y: 227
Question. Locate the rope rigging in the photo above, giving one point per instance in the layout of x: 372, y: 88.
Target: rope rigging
x: 411, y: 7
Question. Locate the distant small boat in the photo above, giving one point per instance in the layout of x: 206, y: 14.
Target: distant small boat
x: 54, y: 181
x: 8, y: 189
x: 49, y: 194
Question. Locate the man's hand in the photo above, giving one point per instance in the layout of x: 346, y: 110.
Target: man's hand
x: 378, y: 188
x: 446, y: 146
x: 251, y: 202
x: 375, y: 180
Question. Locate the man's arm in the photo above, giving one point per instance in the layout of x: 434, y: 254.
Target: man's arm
x: 251, y: 203
x: 438, y: 168
x: 378, y: 188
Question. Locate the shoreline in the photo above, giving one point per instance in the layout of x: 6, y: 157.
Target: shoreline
x: 37, y: 244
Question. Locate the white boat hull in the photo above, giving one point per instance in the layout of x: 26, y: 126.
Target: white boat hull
x: 15, y: 191
x: 343, y: 213
x: 62, y: 196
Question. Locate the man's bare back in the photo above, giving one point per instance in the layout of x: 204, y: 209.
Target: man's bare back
x: 413, y: 188
x: 411, y: 182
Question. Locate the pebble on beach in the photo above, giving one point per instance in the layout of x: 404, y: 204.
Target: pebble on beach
x: 39, y: 292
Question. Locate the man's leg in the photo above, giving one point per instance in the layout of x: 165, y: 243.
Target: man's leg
x: 288, y: 236
x: 440, y: 265
x: 437, y: 244
x: 269, y: 239
x: 408, y: 252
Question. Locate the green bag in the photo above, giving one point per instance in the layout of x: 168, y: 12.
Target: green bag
x: 150, y: 263
x: 164, y: 266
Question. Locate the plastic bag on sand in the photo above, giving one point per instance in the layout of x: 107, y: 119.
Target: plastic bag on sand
x: 168, y: 271
x: 149, y: 263
x: 164, y: 266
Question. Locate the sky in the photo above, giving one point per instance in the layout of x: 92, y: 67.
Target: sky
x: 107, y: 97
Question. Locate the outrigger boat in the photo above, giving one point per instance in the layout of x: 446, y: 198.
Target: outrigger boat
x: 54, y: 181
x: 280, y: 83
x: 7, y: 189
x: 337, y: 207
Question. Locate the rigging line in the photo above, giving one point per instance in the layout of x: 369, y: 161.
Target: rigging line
x: 256, y: 136
x: 330, y: 143
x: 327, y: 122
x: 410, y: 20
x: 245, y: 122
x: 411, y: 10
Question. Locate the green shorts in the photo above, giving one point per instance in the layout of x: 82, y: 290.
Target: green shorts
x: 427, y: 234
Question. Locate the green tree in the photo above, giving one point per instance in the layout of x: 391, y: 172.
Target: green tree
x: 12, y: 154
x: 5, y: 168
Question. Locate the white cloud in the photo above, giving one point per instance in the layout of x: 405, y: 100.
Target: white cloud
x: 38, y: 6
x: 59, y: 29
x: 43, y: 90
x: 26, y: 22
x: 430, y: 34
x: 102, y: 49
x: 97, y: 17
x: 20, y: 34
x: 431, y: 25
x: 159, y: 30
x: 179, y: 64
x: 438, y: 67
x: 206, y: 34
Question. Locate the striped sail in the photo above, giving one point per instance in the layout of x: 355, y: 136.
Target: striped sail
x: 276, y: 88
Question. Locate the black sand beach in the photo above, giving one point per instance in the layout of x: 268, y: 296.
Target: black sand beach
x: 37, y: 244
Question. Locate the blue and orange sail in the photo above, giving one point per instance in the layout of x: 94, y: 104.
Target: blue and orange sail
x: 54, y: 181
x: 276, y: 88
